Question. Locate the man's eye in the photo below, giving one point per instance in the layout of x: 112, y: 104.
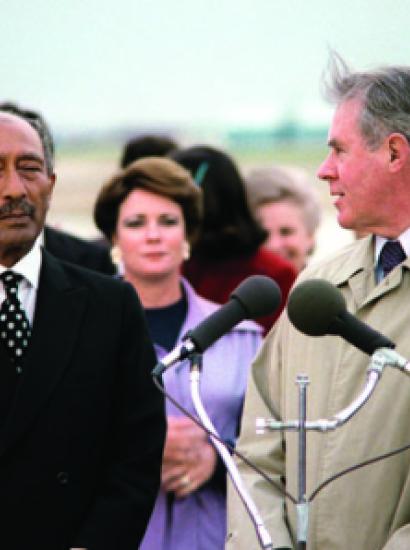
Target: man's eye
x: 30, y: 168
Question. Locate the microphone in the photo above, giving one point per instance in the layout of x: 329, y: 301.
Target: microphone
x: 316, y: 308
x: 256, y: 296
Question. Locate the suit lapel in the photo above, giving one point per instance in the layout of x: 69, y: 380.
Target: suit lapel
x: 56, y: 327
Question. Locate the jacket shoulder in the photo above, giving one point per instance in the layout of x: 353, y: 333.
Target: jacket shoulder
x: 65, y: 273
x: 79, y: 251
x: 271, y: 263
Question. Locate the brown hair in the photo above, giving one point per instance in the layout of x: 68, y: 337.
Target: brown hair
x: 161, y: 176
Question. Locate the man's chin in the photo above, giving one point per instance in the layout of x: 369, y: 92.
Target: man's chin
x: 17, y: 234
x: 344, y: 222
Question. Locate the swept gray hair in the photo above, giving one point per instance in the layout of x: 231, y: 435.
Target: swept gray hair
x: 384, y: 92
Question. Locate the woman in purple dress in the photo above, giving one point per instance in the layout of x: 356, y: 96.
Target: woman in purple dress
x: 150, y: 211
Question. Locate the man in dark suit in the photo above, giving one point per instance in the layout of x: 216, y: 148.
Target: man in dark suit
x: 81, y: 423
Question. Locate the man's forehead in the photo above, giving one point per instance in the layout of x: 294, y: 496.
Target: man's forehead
x: 345, y: 118
x: 13, y: 124
x: 11, y: 118
x: 348, y: 109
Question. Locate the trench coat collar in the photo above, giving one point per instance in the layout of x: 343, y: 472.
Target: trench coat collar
x: 357, y: 270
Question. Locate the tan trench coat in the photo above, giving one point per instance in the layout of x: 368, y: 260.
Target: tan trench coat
x: 368, y: 509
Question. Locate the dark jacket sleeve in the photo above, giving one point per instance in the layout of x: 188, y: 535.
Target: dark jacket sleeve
x: 127, y: 493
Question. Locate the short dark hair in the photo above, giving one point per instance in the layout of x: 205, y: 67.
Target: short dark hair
x: 384, y: 93
x: 158, y: 175
x: 146, y: 146
x: 229, y: 227
x: 37, y: 121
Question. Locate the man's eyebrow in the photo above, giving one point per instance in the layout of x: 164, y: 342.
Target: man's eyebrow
x: 333, y: 142
x: 31, y: 156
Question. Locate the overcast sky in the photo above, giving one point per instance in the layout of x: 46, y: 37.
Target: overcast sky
x: 100, y: 63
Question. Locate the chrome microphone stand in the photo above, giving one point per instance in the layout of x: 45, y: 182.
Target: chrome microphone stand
x: 381, y: 358
x: 194, y: 375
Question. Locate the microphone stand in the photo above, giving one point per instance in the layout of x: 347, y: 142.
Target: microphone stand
x: 262, y: 533
x: 381, y: 358
x: 302, y: 506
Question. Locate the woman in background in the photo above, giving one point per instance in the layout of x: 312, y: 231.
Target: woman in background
x: 229, y: 246
x: 150, y: 211
x: 286, y: 205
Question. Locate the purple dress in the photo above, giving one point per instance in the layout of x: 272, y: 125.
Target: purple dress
x: 198, y: 522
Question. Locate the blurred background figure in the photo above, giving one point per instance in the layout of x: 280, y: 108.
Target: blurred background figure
x: 288, y: 207
x: 229, y: 246
x: 150, y: 211
x: 146, y: 146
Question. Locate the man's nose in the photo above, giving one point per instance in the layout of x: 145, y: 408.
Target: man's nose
x: 326, y: 170
x: 11, y: 184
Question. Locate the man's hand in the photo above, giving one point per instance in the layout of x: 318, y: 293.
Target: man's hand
x: 189, y: 458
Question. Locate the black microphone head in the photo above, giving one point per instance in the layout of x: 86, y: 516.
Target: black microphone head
x: 316, y: 308
x: 255, y: 296
x: 259, y: 295
x: 314, y: 305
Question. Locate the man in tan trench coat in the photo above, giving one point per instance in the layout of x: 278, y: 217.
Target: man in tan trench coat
x: 368, y: 173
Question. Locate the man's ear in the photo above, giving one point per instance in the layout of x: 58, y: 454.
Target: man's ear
x: 52, y: 181
x: 399, y: 150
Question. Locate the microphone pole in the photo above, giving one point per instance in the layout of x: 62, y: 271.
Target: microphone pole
x: 262, y: 533
x: 302, y: 506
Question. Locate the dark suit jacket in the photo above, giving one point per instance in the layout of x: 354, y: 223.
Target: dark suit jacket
x: 80, y: 451
x: 78, y: 251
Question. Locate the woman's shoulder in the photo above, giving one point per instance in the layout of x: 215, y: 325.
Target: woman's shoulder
x: 267, y: 260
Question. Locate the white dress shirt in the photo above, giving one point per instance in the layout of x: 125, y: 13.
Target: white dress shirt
x: 29, y: 267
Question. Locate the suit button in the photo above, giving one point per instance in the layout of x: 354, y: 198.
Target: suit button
x: 62, y: 478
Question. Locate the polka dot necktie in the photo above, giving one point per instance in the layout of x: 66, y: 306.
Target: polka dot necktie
x: 14, y: 325
x: 392, y: 254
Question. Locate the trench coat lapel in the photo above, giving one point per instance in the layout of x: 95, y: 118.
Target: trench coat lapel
x: 56, y: 327
x: 392, y: 281
x: 359, y: 274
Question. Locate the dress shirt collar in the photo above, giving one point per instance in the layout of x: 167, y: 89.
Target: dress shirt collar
x: 29, y: 265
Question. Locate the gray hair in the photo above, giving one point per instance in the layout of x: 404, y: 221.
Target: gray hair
x: 384, y: 93
x: 277, y: 184
x: 40, y: 126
